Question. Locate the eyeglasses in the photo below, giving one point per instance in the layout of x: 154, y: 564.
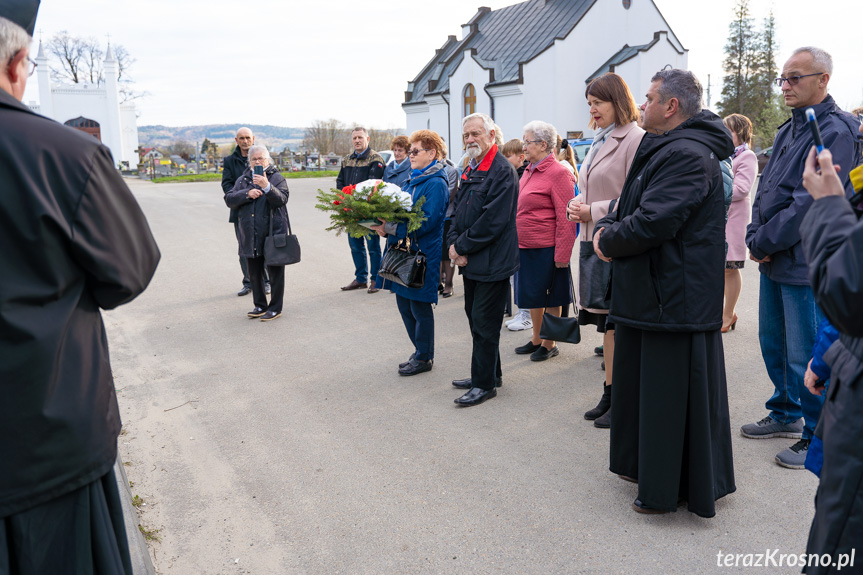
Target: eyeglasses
x: 794, y: 80
x: 31, y: 62
x: 415, y: 151
x: 260, y: 159
x: 526, y: 142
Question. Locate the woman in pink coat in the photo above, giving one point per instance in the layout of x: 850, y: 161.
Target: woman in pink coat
x: 744, y: 168
x: 613, y: 113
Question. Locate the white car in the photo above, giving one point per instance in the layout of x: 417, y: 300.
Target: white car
x: 388, y: 156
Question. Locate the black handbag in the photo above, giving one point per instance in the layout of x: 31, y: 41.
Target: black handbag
x: 281, y: 249
x: 403, y: 265
x: 562, y: 329
x: 594, y: 278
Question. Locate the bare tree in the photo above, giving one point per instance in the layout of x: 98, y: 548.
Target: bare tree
x: 327, y: 136
x: 124, y: 62
x: 181, y: 148
x: 68, y: 50
x: 380, y: 139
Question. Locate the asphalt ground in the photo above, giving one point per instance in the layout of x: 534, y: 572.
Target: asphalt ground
x: 293, y: 446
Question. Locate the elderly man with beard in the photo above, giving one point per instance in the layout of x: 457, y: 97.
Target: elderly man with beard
x: 671, y: 433
x: 482, y: 241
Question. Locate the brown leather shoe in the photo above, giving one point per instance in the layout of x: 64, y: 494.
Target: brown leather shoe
x: 373, y: 289
x: 355, y: 285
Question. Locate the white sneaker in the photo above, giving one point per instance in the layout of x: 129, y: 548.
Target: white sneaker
x: 519, y: 316
x: 520, y: 325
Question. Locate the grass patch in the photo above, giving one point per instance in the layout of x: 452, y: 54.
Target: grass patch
x: 218, y: 177
x: 149, y: 534
x: 137, y: 501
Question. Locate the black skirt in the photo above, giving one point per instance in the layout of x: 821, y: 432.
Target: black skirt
x: 535, y: 276
x: 80, y: 532
x: 670, y: 426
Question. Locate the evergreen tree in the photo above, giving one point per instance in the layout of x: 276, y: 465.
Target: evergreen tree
x: 205, y: 147
x: 771, y: 110
x: 740, y: 63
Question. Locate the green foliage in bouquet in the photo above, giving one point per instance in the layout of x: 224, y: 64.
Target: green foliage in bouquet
x: 350, y: 206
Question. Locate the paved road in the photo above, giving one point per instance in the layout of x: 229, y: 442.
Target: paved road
x: 303, y: 451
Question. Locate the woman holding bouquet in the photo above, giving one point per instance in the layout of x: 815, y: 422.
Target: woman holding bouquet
x: 258, y: 198
x: 427, y: 179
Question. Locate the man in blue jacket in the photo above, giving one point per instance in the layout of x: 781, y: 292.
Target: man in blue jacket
x: 788, y: 316
x: 482, y: 241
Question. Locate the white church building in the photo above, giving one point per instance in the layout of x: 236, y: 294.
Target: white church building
x: 93, y: 109
x: 533, y: 61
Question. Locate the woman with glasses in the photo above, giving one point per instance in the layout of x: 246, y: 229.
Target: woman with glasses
x: 259, y: 198
x: 613, y: 115
x: 428, y: 179
x: 545, y: 237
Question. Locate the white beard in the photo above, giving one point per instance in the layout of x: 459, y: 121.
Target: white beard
x: 473, y: 151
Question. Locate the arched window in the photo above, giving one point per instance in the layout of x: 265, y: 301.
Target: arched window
x: 86, y: 125
x: 469, y: 100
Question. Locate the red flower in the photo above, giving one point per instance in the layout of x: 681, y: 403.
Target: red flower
x: 336, y: 203
x: 349, y: 190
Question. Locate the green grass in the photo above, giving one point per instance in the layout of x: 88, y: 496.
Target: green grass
x: 150, y: 534
x: 218, y: 177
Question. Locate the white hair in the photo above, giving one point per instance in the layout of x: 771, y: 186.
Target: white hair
x: 261, y: 148
x: 543, y: 131
x: 821, y: 58
x: 13, y: 39
x: 487, y: 123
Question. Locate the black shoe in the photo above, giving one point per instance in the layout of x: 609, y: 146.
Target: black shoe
x: 355, y: 285
x: 598, y: 350
x: 408, y: 362
x: 543, y: 353
x: 603, y: 365
x: 475, y: 396
x: 245, y: 291
x: 466, y: 383
x: 416, y: 366
x: 603, y: 421
x: 267, y: 289
x: 601, y: 407
x: 527, y: 348
x: 271, y: 315
x: 257, y: 312
x: 640, y: 507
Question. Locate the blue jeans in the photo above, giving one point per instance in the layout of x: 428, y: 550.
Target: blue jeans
x: 358, y: 252
x: 787, y: 323
x: 418, y: 318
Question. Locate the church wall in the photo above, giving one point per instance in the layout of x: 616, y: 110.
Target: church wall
x: 417, y: 117
x: 439, y: 116
x: 129, y: 134
x: 468, y: 72
x: 509, y: 110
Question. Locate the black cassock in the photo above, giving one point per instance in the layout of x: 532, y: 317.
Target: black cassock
x: 73, y: 240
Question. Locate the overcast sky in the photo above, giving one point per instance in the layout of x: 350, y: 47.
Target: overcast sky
x: 290, y: 62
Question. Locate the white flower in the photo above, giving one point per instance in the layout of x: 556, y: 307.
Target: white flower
x: 390, y: 190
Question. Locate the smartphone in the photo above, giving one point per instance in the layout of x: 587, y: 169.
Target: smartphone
x: 816, y: 133
x: 259, y: 170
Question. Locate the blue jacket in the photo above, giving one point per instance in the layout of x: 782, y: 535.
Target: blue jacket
x: 781, y: 201
x: 429, y: 238
x: 827, y: 334
x: 396, y: 173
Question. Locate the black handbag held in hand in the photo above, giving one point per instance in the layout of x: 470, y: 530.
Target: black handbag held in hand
x: 403, y: 265
x: 594, y: 278
x: 281, y: 249
x: 563, y: 329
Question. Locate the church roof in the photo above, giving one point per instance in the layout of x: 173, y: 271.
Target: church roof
x: 500, y: 41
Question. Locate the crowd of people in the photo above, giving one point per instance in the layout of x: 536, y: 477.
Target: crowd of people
x: 655, y: 276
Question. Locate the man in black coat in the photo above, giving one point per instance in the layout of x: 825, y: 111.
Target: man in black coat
x: 361, y: 165
x: 832, y: 235
x: 666, y: 241
x: 482, y: 241
x: 233, y: 167
x: 74, y: 240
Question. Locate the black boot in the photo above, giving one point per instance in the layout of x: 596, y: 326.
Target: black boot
x: 603, y: 405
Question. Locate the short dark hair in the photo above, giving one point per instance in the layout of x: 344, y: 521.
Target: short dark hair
x: 611, y: 88
x: 680, y: 84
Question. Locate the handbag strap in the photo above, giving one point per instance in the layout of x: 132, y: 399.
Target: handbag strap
x: 571, y: 290
x: 287, y: 217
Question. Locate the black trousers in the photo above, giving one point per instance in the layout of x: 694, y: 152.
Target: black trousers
x: 81, y: 532
x: 244, y: 266
x: 277, y: 284
x: 484, y: 304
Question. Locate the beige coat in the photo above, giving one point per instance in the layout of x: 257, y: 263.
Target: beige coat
x: 603, y: 181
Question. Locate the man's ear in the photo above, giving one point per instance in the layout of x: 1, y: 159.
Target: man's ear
x: 14, y: 69
x: 671, y: 107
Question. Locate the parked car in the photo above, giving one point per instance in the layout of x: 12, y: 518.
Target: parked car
x: 387, y: 155
x: 580, y: 146
x: 763, y: 156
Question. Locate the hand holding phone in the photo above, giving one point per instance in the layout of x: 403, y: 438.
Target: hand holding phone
x: 259, y: 170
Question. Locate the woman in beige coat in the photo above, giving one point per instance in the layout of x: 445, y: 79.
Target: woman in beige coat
x: 613, y: 114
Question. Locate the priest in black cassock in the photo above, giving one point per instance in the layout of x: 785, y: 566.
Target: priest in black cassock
x: 73, y: 241
x: 670, y: 429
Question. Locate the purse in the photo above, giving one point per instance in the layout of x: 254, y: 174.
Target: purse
x: 562, y: 329
x: 594, y: 278
x: 281, y: 249
x: 403, y: 265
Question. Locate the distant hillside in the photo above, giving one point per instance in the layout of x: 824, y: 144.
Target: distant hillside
x: 275, y: 137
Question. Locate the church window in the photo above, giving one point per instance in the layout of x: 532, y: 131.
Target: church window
x: 627, y: 4
x: 469, y: 100
x: 87, y: 125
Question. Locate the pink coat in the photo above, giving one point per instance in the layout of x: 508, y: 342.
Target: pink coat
x: 541, y: 217
x: 744, y: 168
x: 604, y: 178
